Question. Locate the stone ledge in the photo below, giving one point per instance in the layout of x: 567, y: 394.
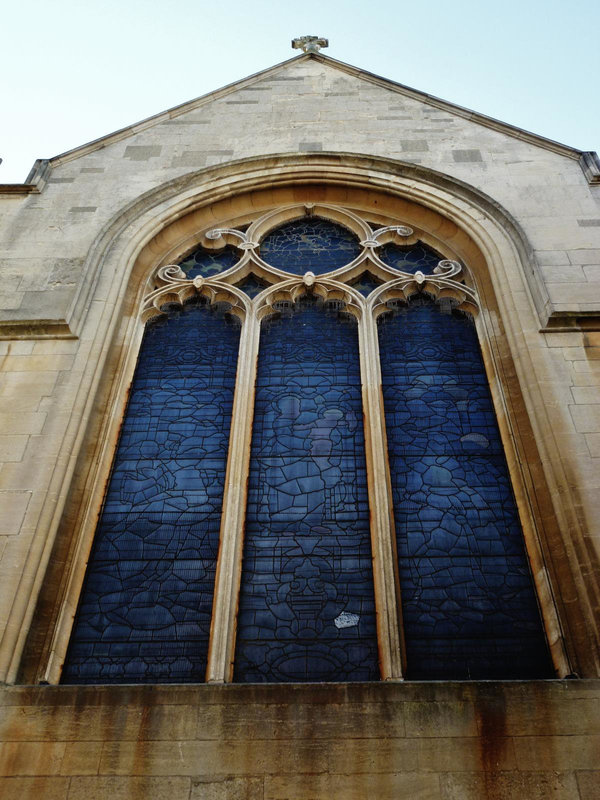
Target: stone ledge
x: 36, y: 329
x: 290, y: 693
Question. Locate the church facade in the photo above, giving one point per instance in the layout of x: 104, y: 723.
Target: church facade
x: 300, y: 453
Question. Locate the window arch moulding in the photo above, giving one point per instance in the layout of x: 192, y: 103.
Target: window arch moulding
x: 182, y: 233
x: 172, y: 286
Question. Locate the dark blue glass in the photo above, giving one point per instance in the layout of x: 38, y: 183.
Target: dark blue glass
x: 145, y: 609
x: 206, y: 263
x: 469, y: 607
x: 365, y: 284
x: 309, y: 244
x: 251, y: 285
x: 306, y: 606
x: 409, y: 259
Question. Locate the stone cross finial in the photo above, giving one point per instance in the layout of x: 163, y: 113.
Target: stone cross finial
x: 310, y: 44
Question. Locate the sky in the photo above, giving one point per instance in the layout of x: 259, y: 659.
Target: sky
x: 73, y: 71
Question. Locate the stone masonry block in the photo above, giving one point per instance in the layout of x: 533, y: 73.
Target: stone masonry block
x: 589, y: 785
x: 14, y: 423
x: 191, y: 158
x: 414, y: 145
x: 370, y: 756
x: 12, y: 447
x: 136, y: 152
x: 592, y: 272
x: 384, y: 786
x: 570, y: 293
x: 201, y: 758
x: 50, y: 304
x: 10, y: 300
x: 508, y: 786
x: 548, y: 753
x: 439, y: 719
x: 584, y: 256
x: 565, y: 273
x: 228, y: 789
x: 94, y: 723
x: 13, y: 348
x: 585, y: 395
x: 15, y: 384
x: 34, y: 788
x: 65, y: 271
x: 467, y: 156
x: 271, y: 721
x: 13, y: 505
x: 466, y: 754
x: 552, y: 258
x: 37, y: 364
x: 81, y: 758
x: 586, y: 418
x: 130, y: 788
x: 310, y: 146
x: 593, y: 443
x: 31, y: 758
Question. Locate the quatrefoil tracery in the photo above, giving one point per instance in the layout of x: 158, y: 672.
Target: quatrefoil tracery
x: 171, y: 285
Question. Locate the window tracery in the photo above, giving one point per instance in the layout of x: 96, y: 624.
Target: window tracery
x: 279, y: 264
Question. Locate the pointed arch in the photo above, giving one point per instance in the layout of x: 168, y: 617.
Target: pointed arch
x: 164, y: 225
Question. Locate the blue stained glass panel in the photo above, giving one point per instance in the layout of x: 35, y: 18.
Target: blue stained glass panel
x: 306, y: 606
x: 145, y: 609
x: 365, y: 284
x: 252, y: 285
x: 409, y: 259
x: 309, y: 244
x: 469, y: 607
x: 206, y: 263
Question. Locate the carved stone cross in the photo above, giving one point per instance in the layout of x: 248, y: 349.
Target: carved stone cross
x: 310, y: 44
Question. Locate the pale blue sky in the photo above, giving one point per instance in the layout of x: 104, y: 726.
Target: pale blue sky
x: 74, y: 71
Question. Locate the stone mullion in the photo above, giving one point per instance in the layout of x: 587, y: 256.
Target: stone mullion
x: 383, y: 539
x: 229, y: 563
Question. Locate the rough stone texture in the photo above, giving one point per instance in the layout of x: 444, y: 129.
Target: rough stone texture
x: 301, y: 741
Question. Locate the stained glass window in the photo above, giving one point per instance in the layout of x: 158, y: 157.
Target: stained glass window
x: 309, y: 244
x: 306, y: 606
x: 207, y: 263
x: 409, y: 259
x: 251, y: 285
x: 365, y: 284
x: 468, y: 602
x: 145, y: 610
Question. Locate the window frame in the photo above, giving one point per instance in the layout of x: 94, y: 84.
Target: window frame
x: 173, y: 288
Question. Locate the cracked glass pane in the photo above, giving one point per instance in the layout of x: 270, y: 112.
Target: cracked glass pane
x: 145, y: 608
x: 207, y: 263
x: 309, y: 244
x: 409, y: 259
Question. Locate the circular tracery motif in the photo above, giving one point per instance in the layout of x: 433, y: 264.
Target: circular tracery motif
x: 281, y: 255
x: 310, y: 243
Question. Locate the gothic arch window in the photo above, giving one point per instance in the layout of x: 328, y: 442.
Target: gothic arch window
x: 145, y: 610
x: 327, y: 302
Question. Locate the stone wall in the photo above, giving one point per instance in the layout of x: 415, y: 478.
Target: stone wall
x: 461, y: 741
